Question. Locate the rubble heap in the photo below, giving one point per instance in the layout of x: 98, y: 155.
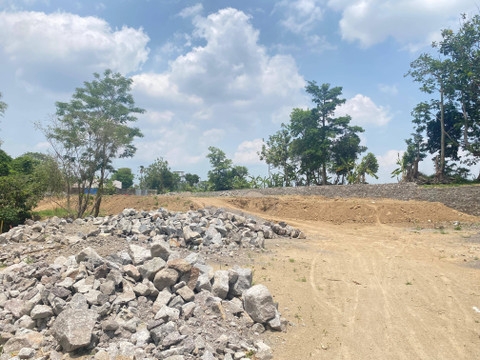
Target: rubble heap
x: 150, y: 300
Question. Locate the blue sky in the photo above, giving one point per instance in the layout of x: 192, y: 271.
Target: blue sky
x: 219, y: 73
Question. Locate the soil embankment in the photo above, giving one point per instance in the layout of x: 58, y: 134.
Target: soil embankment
x: 375, y: 278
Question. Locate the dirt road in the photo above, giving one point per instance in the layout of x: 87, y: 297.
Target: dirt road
x: 379, y: 279
x: 373, y: 291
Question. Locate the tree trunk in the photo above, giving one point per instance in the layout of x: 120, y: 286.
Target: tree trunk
x: 441, y: 170
x: 324, y: 174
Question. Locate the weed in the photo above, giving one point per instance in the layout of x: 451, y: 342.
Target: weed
x: 458, y: 228
x: 29, y: 260
x: 295, y: 270
x: 291, y: 260
x: 250, y: 354
x: 408, y: 283
x: 476, y: 258
x: 2, y: 265
x: 443, y: 232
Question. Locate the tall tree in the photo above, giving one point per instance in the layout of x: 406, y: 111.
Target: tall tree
x: 93, y: 129
x: 276, y: 151
x: 219, y: 175
x: 435, y: 76
x: 463, y: 48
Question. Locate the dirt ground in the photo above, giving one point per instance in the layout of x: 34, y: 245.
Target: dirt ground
x: 375, y: 279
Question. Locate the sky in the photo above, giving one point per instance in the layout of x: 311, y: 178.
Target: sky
x: 220, y: 73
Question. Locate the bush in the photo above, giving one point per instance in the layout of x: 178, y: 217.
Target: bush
x: 18, y: 196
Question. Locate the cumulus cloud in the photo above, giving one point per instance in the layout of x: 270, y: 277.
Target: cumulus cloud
x: 412, y: 23
x: 191, y: 11
x: 301, y: 15
x: 230, y: 87
x: 364, y: 111
x: 45, y: 46
x: 247, y: 152
x: 389, y: 158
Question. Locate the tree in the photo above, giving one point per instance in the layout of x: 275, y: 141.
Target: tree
x: 225, y: 176
x: 368, y: 166
x: 277, y: 153
x: 219, y: 177
x: 93, y: 129
x: 434, y: 76
x: 125, y: 176
x: 5, y: 163
x: 345, y: 151
x: 463, y: 48
x: 159, y: 177
x: 192, y: 179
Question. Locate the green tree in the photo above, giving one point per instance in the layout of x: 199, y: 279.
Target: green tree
x: 368, y: 166
x: 276, y: 151
x: 463, y: 49
x: 192, y: 179
x: 219, y: 176
x: 158, y: 176
x: 5, y: 163
x: 345, y: 151
x: 125, y: 176
x: 435, y: 76
x: 91, y: 130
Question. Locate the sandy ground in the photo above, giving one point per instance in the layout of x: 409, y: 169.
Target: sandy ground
x: 375, y: 279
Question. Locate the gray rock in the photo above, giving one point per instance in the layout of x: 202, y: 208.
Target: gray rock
x: 41, y: 312
x: 203, y: 283
x: 258, y: 303
x: 88, y: 254
x: 160, y: 249
x: 26, y: 353
x: 139, y: 254
x: 163, y: 298
x: 151, y: 267
x: 29, y: 339
x: 167, y: 314
x: 264, y: 352
x: 244, y: 281
x: 190, y: 235
x: 220, y: 284
x: 73, y: 328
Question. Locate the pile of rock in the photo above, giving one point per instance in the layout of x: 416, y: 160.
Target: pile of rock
x: 150, y: 301
x: 205, y: 230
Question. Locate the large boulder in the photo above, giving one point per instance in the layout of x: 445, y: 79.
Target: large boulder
x: 73, y: 328
x: 258, y: 303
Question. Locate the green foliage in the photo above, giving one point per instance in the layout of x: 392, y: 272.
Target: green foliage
x: 192, y: 179
x: 5, y: 163
x: 125, y: 176
x: 225, y: 176
x: 91, y: 130
x: 315, y: 143
x: 18, y: 195
x: 451, y: 121
x: 3, y: 107
x: 158, y: 176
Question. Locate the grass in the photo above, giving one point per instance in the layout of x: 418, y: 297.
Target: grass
x: 43, y: 214
x: 458, y: 228
x: 291, y: 260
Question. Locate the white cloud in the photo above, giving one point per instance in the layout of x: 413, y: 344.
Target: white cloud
x: 191, y: 11
x: 388, y: 89
x: 414, y: 23
x: 389, y: 159
x: 213, y: 136
x: 364, y: 111
x: 301, y: 15
x: 224, y: 90
x: 45, y: 47
x: 159, y: 117
x: 230, y: 70
x: 247, y: 152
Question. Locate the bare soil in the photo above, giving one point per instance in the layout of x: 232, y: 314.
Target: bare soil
x: 375, y: 279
